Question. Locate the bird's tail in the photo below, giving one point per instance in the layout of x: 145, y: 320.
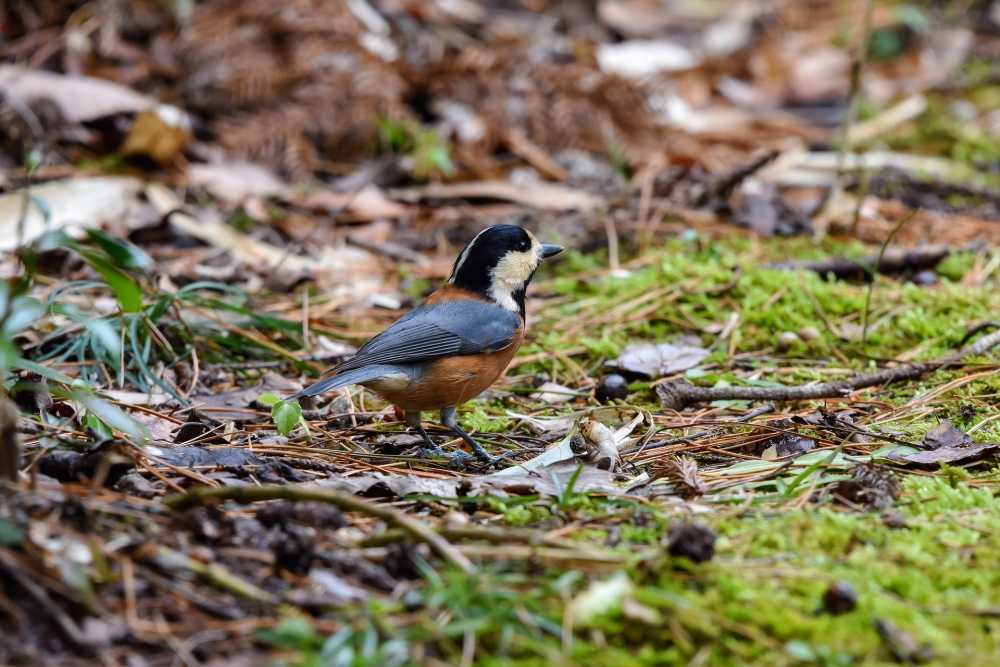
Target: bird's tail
x: 353, y: 376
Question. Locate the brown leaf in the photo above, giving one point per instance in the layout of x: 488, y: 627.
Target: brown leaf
x: 161, y: 134
x: 235, y: 181
x: 369, y: 203
x: 946, y: 435
x: 682, y: 472
x: 543, y: 196
x: 951, y: 454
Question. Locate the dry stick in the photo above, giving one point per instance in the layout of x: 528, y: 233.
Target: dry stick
x: 690, y: 439
x: 213, y: 573
x: 873, y: 276
x: 857, y: 74
x: 493, y: 535
x: 678, y: 394
x: 345, y: 502
x: 891, y: 260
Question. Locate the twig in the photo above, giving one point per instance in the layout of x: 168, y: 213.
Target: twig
x: 345, y: 502
x: 676, y: 395
x: 979, y: 328
x: 857, y: 74
x: 709, y: 433
x: 512, y: 536
x: 893, y: 260
x: 874, y: 270
x: 213, y: 573
x: 888, y: 120
x: 525, y: 552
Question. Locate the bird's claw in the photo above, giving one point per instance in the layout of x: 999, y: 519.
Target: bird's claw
x: 489, y: 461
x: 459, y: 460
x: 456, y: 460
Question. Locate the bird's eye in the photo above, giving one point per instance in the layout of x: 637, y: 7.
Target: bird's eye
x: 523, y: 245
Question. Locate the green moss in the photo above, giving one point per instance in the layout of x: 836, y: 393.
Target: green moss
x: 480, y: 417
x: 695, y: 292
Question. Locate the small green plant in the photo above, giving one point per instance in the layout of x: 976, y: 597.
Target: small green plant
x: 114, y: 259
x: 348, y: 647
x: 430, y: 152
x: 286, y: 415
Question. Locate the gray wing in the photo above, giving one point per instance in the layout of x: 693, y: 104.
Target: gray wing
x: 439, y: 330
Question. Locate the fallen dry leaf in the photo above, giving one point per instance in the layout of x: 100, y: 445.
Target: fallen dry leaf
x: 543, y: 196
x: 160, y: 133
x: 642, y: 58
x: 655, y: 360
x: 553, y: 393
x: 946, y: 434
x: 71, y: 204
x: 235, y: 181
x: 337, y: 264
x: 951, y: 454
x: 79, y: 98
x: 369, y: 203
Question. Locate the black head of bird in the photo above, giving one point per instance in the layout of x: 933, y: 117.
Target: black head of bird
x: 458, y: 341
x: 499, y: 263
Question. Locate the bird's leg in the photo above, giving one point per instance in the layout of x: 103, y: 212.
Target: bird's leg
x: 414, y: 421
x: 449, y: 419
x: 430, y: 449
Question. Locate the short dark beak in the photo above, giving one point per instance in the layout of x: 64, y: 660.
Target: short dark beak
x: 550, y: 250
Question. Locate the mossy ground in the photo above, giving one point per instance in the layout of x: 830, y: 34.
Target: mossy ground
x: 760, y: 600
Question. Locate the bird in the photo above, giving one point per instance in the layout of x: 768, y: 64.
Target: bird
x: 455, y: 344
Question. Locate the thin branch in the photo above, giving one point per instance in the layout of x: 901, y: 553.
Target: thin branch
x: 892, y: 260
x: 345, y: 502
x: 676, y: 395
x: 874, y: 274
x: 214, y: 574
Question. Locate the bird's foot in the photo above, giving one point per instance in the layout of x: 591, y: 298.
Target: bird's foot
x: 487, y: 460
x: 456, y: 460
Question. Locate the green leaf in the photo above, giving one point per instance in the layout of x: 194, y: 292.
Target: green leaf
x: 24, y: 310
x: 286, y: 414
x: 295, y: 632
x: 269, y: 399
x: 104, y: 332
x: 99, y: 328
x: 94, y: 423
x: 55, y: 239
x: 126, y: 290
x: 39, y: 369
x: 110, y: 414
x: 121, y: 252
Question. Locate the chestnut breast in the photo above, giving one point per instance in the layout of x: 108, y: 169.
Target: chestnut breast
x: 450, y: 381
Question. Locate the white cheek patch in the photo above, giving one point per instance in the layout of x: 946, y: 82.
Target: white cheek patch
x: 511, y: 273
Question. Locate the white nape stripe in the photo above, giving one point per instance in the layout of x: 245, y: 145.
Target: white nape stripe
x: 463, y: 256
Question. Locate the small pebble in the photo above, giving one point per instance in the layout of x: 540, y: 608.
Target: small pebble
x: 924, y: 278
x: 840, y: 598
x: 892, y: 518
x: 611, y: 387
x: 692, y: 540
x: 787, y: 339
x: 809, y: 334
